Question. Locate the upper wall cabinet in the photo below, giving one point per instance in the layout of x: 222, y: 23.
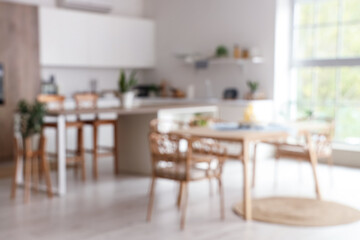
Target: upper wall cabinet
x: 78, y: 39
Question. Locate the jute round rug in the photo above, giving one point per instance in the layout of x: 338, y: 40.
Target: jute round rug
x: 300, y: 212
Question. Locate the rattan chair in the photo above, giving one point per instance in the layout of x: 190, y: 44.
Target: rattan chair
x: 298, y: 147
x: 170, y: 162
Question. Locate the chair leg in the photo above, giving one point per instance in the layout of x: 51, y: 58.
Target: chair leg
x: 45, y: 166
x: 46, y: 169
x: 210, y: 184
x: 277, y: 157
x: 16, y: 159
x: 254, y: 166
x: 184, y: 206
x: 35, y: 173
x: 221, y: 193
x: 81, y: 153
x: 151, y: 199
x: 181, y: 186
x: 95, y: 166
x: 116, y: 149
x: 317, y: 188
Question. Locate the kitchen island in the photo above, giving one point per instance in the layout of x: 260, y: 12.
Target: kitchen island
x: 133, y: 155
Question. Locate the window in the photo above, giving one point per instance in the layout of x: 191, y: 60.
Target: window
x: 325, y: 64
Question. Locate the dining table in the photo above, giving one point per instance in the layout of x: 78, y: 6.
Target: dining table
x: 250, y: 134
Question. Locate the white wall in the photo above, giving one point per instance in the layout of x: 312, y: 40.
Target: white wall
x: 71, y: 80
x: 201, y: 25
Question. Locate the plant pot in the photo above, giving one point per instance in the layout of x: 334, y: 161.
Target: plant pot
x: 255, y: 95
x: 127, y: 99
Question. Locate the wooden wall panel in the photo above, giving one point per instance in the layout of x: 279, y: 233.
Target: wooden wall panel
x: 19, y: 54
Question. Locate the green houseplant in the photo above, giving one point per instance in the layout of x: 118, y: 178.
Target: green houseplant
x: 253, y: 93
x: 30, y: 123
x: 126, y: 85
x: 253, y: 86
x: 221, y: 51
x: 31, y: 118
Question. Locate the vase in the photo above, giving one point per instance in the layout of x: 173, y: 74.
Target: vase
x: 127, y: 99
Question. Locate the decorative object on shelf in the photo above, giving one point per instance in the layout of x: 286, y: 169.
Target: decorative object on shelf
x: 253, y: 86
x: 245, y: 54
x: 254, y: 94
x: 127, y: 94
x: 221, y: 51
x: 237, y: 51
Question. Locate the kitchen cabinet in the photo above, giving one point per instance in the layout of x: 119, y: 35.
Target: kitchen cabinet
x: 78, y: 39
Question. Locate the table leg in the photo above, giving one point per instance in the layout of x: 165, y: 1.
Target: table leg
x: 247, y: 194
x: 313, y: 161
x: 61, y: 151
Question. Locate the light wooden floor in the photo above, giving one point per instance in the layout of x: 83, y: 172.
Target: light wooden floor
x: 114, y: 207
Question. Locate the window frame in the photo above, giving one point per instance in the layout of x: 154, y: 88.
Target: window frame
x: 336, y: 62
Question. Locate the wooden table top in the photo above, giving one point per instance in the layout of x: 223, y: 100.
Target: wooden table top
x: 276, y: 132
x: 234, y: 135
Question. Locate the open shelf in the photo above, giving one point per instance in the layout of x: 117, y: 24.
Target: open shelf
x: 203, y: 63
x: 233, y: 61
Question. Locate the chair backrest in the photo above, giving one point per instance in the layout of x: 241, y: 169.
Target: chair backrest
x: 165, y: 150
x: 319, y: 132
x: 52, y: 101
x: 86, y: 100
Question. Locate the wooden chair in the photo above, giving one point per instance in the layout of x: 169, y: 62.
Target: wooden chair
x: 299, y: 148
x: 76, y: 157
x: 86, y: 101
x: 33, y: 160
x: 168, y: 162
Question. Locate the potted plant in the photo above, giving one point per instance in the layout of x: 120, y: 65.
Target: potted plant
x: 127, y: 94
x: 253, y: 86
x: 29, y: 123
x: 221, y: 51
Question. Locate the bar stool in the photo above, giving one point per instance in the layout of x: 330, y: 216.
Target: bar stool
x: 33, y: 159
x: 73, y: 158
x: 89, y: 101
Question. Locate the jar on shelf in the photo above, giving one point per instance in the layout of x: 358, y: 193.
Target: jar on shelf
x: 237, y: 52
x: 245, y: 53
